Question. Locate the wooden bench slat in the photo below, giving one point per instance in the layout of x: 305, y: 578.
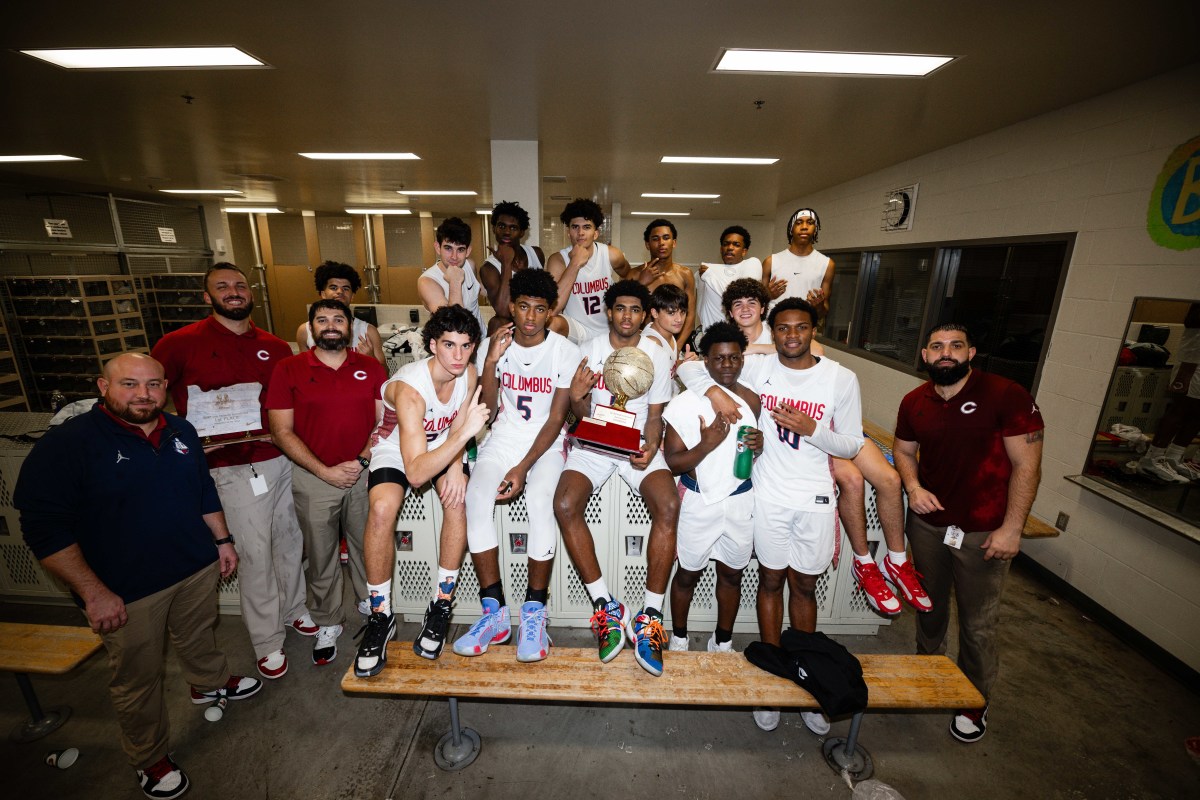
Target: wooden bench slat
x: 691, y: 678
x: 45, y: 649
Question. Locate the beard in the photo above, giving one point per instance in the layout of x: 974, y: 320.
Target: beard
x: 136, y: 416
x: 948, y: 375
x: 328, y: 343
x: 235, y: 314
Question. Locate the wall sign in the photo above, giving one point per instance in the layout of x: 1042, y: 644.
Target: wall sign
x: 57, y: 228
x: 166, y: 235
x: 1173, y: 218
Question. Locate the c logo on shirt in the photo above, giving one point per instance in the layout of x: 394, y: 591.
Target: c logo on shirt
x: 969, y: 407
x: 360, y: 375
x: 263, y: 355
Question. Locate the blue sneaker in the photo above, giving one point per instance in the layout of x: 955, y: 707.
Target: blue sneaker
x: 533, y: 640
x: 492, y: 628
x: 648, y: 636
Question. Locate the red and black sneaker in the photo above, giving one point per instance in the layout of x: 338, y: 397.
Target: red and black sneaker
x: 163, y: 780
x: 969, y: 726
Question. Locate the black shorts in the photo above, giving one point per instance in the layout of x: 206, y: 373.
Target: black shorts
x: 378, y: 477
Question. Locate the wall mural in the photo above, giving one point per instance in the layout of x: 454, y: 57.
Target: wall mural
x: 1173, y: 218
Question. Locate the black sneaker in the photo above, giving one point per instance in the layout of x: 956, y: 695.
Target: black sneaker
x: 236, y: 688
x: 969, y: 726
x: 372, y: 650
x: 163, y: 780
x: 433, y: 632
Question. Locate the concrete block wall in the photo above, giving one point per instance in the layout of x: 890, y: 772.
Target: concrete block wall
x: 1087, y: 168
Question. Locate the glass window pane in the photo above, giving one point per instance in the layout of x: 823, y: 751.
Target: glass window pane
x: 895, y: 302
x: 841, y: 296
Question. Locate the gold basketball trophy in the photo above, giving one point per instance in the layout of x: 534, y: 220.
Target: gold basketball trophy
x: 627, y: 374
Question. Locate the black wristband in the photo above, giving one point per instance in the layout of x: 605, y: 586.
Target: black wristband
x: 227, y: 540
x: 364, y: 463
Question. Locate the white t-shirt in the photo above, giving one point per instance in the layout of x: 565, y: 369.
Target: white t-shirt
x: 470, y: 289
x: 585, y: 304
x: 529, y: 376
x: 598, y: 348
x: 716, y: 280
x: 714, y: 473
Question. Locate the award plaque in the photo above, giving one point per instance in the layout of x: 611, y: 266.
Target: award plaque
x: 611, y: 430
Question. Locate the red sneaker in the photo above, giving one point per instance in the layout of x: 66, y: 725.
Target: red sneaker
x: 871, y: 581
x: 908, y: 581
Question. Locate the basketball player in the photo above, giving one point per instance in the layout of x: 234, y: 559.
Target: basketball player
x: 510, y: 223
x: 584, y: 270
x: 336, y: 281
x: 451, y: 280
x: 745, y: 303
x: 431, y: 410
x: 646, y: 474
x: 715, y: 278
x: 661, y: 237
x: 806, y: 271
x: 717, y: 513
x: 525, y: 373
x: 811, y: 410
x: 669, y: 307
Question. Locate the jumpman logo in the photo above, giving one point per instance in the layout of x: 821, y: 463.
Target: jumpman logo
x: 121, y: 457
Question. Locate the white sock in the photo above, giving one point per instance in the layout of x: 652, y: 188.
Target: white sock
x: 898, y: 558
x: 863, y: 559
x: 379, y: 596
x: 598, y: 589
x: 447, y: 580
x: 1174, y: 453
x: 1153, y: 452
x: 654, y: 601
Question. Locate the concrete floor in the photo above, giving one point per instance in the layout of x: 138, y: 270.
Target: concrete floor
x: 1076, y: 715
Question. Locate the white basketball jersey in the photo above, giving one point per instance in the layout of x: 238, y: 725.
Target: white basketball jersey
x: 714, y: 474
x: 598, y: 348
x: 529, y: 376
x: 531, y: 258
x: 802, y: 273
x: 438, y: 415
x: 470, y: 289
x: 585, y: 304
x: 716, y: 280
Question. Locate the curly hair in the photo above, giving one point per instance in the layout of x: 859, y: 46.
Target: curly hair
x: 583, y: 207
x: 323, y: 274
x: 720, y: 332
x: 536, y: 283
x: 627, y: 288
x: 454, y: 231
x: 744, y: 288
x: 508, y: 208
x: 450, y: 319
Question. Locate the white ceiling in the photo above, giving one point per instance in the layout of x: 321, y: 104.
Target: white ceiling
x: 606, y: 91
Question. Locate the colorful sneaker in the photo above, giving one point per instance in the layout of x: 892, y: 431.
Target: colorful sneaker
x: 870, y: 579
x: 719, y: 647
x: 969, y: 726
x: 433, y: 633
x: 766, y: 718
x: 816, y: 722
x: 372, y: 650
x: 163, y: 780
x: 236, y: 688
x: 908, y: 581
x: 533, y: 640
x: 648, y: 636
x: 679, y: 644
x: 273, y: 665
x: 325, y: 647
x: 493, y: 627
x: 305, y: 625
x: 608, y: 623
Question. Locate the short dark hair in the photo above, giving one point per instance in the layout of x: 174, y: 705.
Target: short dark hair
x: 627, y: 288
x: 450, y: 319
x: 739, y: 230
x: 955, y: 327
x: 220, y: 265
x: 659, y: 223
x: 323, y: 274
x: 720, y: 332
x: 508, y: 208
x: 792, y: 304
x: 454, y: 231
x: 744, y: 288
x: 533, y: 283
x: 583, y: 207
x: 327, y: 302
x: 669, y: 297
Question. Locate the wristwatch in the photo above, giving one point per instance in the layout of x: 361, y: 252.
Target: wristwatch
x: 364, y: 463
x: 227, y: 540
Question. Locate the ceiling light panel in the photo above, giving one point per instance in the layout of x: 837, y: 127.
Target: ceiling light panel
x: 437, y: 192
x: 362, y: 156
x: 682, y: 196
x: 403, y: 211
x: 147, y: 58
x: 660, y: 213
x: 715, y: 160
x: 33, y: 159
x: 252, y: 210
x: 815, y: 62
x: 227, y: 192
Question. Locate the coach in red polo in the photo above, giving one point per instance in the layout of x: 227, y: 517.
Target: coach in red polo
x: 323, y: 405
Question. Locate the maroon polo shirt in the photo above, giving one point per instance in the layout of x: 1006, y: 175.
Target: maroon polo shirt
x: 961, y: 441
x: 334, y: 409
x: 209, y: 356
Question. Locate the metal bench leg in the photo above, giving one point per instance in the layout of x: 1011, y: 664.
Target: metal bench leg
x: 458, y: 748
x: 846, y: 756
x: 41, y: 723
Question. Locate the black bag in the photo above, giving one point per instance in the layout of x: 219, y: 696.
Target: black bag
x: 821, y: 666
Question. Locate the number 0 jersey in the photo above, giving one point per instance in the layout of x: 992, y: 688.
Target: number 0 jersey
x: 529, y: 377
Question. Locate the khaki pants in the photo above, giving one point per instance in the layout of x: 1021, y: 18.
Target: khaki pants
x: 187, y: 613
x: 269, y: 547
x: 325, y: 512
x: 977, y: 586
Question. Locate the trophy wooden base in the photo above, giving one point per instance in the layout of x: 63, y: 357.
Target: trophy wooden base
x: 608, y: 438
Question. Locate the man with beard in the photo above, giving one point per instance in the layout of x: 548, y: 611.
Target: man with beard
x: 323, y: 405
x: 979, y: 438
x: 119, y: 505
x: 253, y: 478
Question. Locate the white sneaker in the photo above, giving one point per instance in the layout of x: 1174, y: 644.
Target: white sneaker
x: 724, y: 647
x: 1160, y: 468
x: 766, y: 718
x: 1185, y: 470
x: 325, y: 647
x: 679, y: 644
x: 816, y: 722
x: 305, y: 625
x: 273, y: 665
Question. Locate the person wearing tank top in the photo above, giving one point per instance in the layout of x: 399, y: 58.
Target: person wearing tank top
x: 452, y: 280
x: 584, y: 270
x: 510, y: 223
x: 801, y: 270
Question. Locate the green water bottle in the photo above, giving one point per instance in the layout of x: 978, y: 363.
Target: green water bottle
x: 744, y: 460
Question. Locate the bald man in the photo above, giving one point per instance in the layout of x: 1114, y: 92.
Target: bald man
x: 118, y: 504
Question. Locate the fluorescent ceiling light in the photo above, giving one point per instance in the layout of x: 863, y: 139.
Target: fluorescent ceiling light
x: 437, y: 193
x: 715, y: 160
x: 252, y: 210
x: 683, y: 196
x: 362, y: 156
x: 815, y: 62
x: 147, y: 57
x: 379, y: 211
x: 201, y: 191
x: 34, y: 158
x: 483, y: 212
x: 660, y: 213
